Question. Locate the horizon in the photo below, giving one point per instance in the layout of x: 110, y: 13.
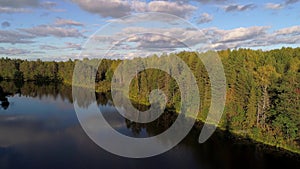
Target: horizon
x: 158, y: 55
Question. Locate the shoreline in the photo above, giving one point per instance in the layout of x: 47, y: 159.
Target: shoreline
x: 243, y: 135
x: 236, y: 133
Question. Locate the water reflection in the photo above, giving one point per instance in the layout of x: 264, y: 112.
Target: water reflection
x: 40, y: 129
x: 4, y: 103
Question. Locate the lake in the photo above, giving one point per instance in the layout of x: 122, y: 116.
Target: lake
x: 39, y: 129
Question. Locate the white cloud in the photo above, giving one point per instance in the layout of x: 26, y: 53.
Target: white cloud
x: 144, y: 41
x: 13, y: 10
x: 48, y: 47
x: 51, y: 6
x: 27, y: 35
x: 13, y: 51
x: 139, y: 6
x: 119, y: 8
x: 253, y: 37
x: 235, y: 7
x: 203, y: 1
x: 48, y: 4
x: 14, y: 37
x: 19, y: 3
x: 23, y: 6
x: 155, y: 42
x: 205, y: 18
x: 70, y: 45
x: 274, y: 6
x: 49, y: 30
x: 288, y: 2
x: 113, y: 8
x: 145, y: 18
x: 67, y: 22
x: 294, y: 30
x: 170, y: 39
x: 181, y: 10
x: 240, y: 34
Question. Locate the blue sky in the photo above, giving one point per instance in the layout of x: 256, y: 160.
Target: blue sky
x: 56, y: 30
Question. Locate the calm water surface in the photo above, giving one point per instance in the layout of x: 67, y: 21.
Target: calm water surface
x: 39, y: 130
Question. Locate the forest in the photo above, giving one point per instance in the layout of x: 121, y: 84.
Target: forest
x: 263, y: 88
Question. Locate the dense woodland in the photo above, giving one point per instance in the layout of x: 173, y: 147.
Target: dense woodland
x: 263, y: 88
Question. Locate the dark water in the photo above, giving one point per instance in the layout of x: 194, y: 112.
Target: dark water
x: 39, y: 130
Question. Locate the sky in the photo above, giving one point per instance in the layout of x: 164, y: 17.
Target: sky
x: 61, y: 29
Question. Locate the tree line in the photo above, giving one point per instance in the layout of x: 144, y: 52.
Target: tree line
x: 263, y: 88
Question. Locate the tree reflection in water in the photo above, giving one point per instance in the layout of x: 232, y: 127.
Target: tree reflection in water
x: 4, y: 103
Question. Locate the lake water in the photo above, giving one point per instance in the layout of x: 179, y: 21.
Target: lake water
x: 39, y: 130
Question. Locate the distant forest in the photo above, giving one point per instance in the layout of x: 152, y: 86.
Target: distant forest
x: 263, y: 88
